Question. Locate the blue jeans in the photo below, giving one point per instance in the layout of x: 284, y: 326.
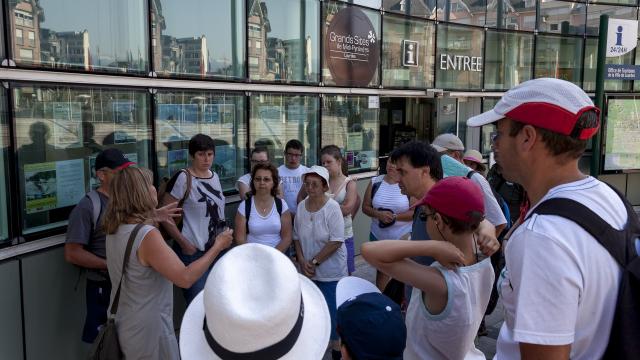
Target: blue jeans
x: 328, y: 289
x: 98, y: 295
x: 190, y: 293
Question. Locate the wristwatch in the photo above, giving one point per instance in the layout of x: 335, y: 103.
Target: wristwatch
x: 315, y: 262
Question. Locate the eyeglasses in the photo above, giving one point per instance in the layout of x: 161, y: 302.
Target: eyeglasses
x: 264, y: 179
x: 494, y: 136
x: 425, y: 215
x: 293, y: 155
x: 259, y: 161
x: 312, y: 185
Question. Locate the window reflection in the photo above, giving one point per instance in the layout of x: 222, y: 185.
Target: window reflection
x: 508, y: 58
x: 203, y: 43
x: 422, y: 8
x: 4, y: 150
x: 59, y: 131
x: 617, y: 12
x: 282, y: 44
x: 276, y: 119
x: 459, y: 57
x: 182, y: 114
x: 512, y: 14
x: 80, y: 35
x: 562, y: 17
x: 349, y: 123
x: 407, y: 52
x: 559, y: 57
x: 470, y: 12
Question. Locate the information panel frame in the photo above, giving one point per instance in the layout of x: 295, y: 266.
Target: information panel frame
x: 621, y: 121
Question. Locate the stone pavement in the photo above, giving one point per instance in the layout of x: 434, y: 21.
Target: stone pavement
x: 486, y: 344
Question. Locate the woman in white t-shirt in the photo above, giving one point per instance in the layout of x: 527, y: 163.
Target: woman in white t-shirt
x: 269, y: 218
x: 319, y: 240
x: 389, y: 209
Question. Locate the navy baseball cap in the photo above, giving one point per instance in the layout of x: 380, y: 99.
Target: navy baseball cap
x: 113, y: 159
x: 369, y: 323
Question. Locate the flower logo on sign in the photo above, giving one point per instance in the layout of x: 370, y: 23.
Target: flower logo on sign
x: 372, y: 36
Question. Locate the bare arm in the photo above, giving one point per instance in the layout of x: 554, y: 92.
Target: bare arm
x: 285, y: 231
x: 243, y: 189
x: 499, y: 229
x: 240, y: 229
x: 407, y: 215
x: 155, y: 252
x: 367, y: 203
x: 544, y: 352
x: 76, y: 254
x: 306, y: 267
x: 487, y: 241
x: 280, y: 193
x: 173, y: 231
x: 350, y: 199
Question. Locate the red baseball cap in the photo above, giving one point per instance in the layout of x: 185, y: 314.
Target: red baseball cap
x: 547, y: 103
x: 457, y: 197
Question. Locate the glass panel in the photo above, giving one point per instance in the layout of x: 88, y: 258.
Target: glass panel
x: 59, y: 131
x: 616, y: 12
x: 282, y: 44
x: 621, y: 2
x: 182, y: 114
x: 559, y: 57
x: 80, y: 35
x: 374, y: 4
x: 349, y: 123
x: 276, y: 119
x: 208, y: 42
x: 4, y: 171
x: 622, y: 131
x: 485, y: 134
x: 446, y: 116
x: 508, y: 59
x: 351, y: 39
x: 423, y: 8
x: 470, y: 12
x: 562, y: 17
x: 407, y: 53
x: 459, y: 57
x: 467, y: 107
x: 591, y: 62
x: 512, y: 15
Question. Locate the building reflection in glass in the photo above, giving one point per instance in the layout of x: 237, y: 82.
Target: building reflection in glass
x: 79, y: 35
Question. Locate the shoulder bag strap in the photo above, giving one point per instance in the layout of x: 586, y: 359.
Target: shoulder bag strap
x: 187, y: 189
x: 127, y: 253
x: 247, y: 212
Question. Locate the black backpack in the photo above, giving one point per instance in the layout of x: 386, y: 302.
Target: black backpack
x: 504, y: 207
x: 624, y: 341
x: 247, y: 209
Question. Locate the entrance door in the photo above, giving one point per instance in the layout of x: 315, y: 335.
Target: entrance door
x: 403, y: 120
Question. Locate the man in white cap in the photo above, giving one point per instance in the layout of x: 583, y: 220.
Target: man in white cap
x: 560, y: 285
x: 452, y: 150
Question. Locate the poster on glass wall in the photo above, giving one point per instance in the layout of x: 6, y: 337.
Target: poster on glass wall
x: 67, y: 121
x: 622, y: 151
x: 123, y: 112
x: 53, y: 185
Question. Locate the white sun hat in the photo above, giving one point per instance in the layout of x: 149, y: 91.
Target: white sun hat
x: 257, y: 307
x: 318, y: 170
x: 547, y: 103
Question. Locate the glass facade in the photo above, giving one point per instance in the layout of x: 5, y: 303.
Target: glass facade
x: 59, y: 131
x: 459, y: 57
x: 282, y: 44
x: 508, y: 59
x: 80, y: 35
x: 277, y: 118
x: 251, y: 73
x: 4, y: 171
x: 349, y: 123
x: 407, y: 53
x: 179, y: 115
x: 186, y: 41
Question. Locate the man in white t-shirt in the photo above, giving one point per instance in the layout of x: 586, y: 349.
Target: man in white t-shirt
x: 291, y: 173
x: 449, y: 145
x: 243, y: 184
x: 559, y: 286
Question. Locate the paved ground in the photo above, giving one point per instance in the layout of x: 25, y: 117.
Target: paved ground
x: 486, y: 344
